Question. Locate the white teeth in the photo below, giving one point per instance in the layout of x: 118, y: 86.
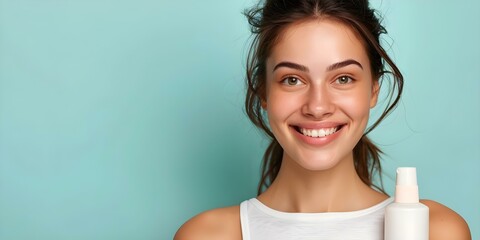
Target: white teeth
x: 318, y: 132
x: 322, y: 133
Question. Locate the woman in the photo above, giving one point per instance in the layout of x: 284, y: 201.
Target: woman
x: 314, y: 71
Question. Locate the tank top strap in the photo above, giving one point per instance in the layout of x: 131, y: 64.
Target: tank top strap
x: 244, y: 220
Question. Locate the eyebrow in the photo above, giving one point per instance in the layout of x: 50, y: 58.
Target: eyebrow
x: 329, y: 68
x: 291, y: 65
x: 344, y: 64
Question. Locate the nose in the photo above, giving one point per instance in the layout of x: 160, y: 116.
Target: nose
x: 318, y: 103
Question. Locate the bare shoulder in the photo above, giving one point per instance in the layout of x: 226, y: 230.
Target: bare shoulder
x: 446, y: 223
x: 220, y: 223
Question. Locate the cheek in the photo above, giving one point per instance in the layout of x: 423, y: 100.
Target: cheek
x: 277, y: 105
x: 355, y: 104
x: 280, y: 105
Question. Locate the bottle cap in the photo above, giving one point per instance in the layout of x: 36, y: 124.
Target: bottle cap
x: 406, y: 190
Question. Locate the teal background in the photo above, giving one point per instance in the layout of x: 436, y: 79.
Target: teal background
x: 123, y: 119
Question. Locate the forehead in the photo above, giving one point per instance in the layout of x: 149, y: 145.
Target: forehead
x: 322, y: 40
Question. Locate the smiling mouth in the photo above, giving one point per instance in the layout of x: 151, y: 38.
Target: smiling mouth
x: 318, y: 133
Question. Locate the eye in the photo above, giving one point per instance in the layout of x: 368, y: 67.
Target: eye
x: 291, y: 81
x: 344, y: 80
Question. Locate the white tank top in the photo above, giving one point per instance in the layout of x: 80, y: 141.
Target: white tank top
x: 260, y: 222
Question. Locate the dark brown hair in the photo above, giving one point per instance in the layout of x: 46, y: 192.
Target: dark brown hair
x: 267, y: 21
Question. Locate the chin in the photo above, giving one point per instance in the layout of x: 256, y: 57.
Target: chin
x: 318, y: 163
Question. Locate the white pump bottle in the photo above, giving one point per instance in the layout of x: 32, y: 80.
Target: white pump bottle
x: 406, y: 218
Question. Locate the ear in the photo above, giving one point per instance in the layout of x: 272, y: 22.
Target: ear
x: 375, y: 92
x: 264, y: 104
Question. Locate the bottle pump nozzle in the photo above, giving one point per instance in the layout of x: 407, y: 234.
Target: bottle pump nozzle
x: 406, y: 190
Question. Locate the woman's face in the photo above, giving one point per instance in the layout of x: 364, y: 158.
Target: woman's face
x: 319, y: 93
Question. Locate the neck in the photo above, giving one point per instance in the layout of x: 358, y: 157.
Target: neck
x: 338, y: 189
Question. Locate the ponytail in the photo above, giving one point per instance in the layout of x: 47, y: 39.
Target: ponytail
x: 272, y: 160
x: 366, y: 157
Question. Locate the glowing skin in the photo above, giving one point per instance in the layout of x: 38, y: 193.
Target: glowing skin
x: 319, y: 93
